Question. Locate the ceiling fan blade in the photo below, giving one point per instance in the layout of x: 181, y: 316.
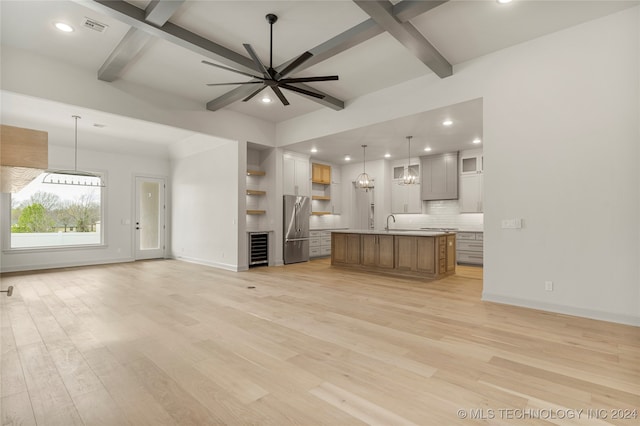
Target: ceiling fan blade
x: 257, y: 61
x: 280, y: 95
x: 303, y: 91
x: 230, y: 69
x: 296, y: 63
x: 230, y: 84
x: 308, y: 79
x: 253, y: 94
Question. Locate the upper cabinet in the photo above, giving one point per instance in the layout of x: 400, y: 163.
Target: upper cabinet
x: 325, y: 189
x: 405, y: 198
x: 471, y: 181
x: 321, y: 173
x: 471, y: 163
x: 440, y: 176
x: 295, y: 174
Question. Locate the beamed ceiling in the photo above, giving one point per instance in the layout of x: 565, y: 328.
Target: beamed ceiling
x: 370, y: 45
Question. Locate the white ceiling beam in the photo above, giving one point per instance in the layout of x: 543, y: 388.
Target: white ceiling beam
x: 157, y: 13
x: 381, y: 11
x: 409, y: 9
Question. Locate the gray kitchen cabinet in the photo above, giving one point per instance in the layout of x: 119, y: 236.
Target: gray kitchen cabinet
x: 471, y: 181
x: 471, y: 189
x: 405, y: 198
x: 336, y: 192
x: 470, y: 247
x: 471, y: 162
x: 440, y: 176
x: 295, y: 174
x: 319, y: 243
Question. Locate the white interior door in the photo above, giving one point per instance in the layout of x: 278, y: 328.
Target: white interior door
x: 149, y: 225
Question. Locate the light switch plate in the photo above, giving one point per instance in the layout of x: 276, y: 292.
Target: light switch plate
x: 511, y: 223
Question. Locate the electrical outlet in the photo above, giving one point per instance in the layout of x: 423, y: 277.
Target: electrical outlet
x: 548, y: 285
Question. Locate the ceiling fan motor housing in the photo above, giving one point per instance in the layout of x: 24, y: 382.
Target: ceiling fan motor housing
x: 271, y: 18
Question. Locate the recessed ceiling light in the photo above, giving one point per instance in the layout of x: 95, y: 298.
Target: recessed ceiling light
x: 504, y: 1
x: 387, y: 155
x: 347, y: 158
x: 266, y: 100
x: 428, y: 148
x: 477, y: 140
x: 64, y: 27
x: 447, y: 122
x: 314, y: 150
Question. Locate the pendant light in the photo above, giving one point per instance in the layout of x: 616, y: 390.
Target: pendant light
x: 410, y: 177
x: 363, y: 181
x: 74, y: 177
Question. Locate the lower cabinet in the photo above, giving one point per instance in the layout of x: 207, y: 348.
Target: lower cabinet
x: 425, y: 256
x: 345, y: 249
x: 377, y: 250
x: 319, y: 243
x: 470, y: 248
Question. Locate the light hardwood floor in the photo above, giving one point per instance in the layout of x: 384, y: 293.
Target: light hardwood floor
x: 168, y: 342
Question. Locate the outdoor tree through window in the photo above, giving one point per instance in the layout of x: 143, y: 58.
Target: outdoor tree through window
x: 52, y: 215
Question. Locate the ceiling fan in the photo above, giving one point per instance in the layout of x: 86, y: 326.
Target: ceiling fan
x: 272, y: 78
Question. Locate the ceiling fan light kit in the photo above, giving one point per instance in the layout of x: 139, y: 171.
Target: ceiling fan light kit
x: 74, y: 177
x: 272, y: 78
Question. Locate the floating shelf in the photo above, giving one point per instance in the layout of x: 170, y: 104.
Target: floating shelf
x: 321, y: 197
x: 256, y: 192
x: 320, y: 213
x: 255, y: 173
x: 256, y: 211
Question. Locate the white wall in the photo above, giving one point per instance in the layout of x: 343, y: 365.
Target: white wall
x: 205, y: 206
x: 560, y: 140
x: 120, y: 171
x: 29, y: 74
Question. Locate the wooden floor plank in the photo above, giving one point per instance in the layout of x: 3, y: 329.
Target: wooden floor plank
x: 169, y: 342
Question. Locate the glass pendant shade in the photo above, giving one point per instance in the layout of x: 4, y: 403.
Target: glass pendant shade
x: 363, y: 181
x: 410, y: 176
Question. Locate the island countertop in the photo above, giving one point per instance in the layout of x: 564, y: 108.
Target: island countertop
x: 404, y: 232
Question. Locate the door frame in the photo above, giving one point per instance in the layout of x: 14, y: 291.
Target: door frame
x: 160, y: 253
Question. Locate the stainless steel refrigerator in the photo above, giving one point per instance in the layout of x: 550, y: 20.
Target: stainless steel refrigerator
x: 297, y: 210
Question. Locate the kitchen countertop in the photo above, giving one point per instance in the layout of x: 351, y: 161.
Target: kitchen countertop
x: 408, y: 232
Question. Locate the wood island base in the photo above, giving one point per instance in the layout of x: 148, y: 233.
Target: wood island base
x: 422, y: 254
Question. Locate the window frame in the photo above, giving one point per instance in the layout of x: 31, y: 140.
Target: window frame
x: 6, y: 226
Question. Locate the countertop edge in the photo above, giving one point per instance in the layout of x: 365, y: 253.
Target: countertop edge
x: 392, y: 232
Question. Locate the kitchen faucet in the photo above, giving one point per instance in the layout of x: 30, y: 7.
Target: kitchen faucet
x: 394, y: 221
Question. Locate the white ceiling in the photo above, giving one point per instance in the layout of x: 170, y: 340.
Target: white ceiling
x: 460, y: 30
x: 390, y: 137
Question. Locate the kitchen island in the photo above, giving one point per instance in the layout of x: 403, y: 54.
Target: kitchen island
x: 417, y: 253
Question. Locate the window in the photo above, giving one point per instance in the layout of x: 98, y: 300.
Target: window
x: 56, y: 215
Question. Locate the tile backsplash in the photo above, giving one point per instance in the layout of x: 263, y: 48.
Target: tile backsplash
x: 440, y: 214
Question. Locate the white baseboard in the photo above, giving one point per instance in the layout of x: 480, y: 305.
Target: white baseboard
x: 562, y: 309
x: 226, y: 266
x: 72, y: 264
